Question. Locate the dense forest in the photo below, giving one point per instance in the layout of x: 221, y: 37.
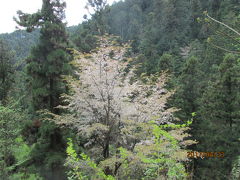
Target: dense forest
x: 141, y: 89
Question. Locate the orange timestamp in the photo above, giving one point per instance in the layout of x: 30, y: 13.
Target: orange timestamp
x: 195, y: 154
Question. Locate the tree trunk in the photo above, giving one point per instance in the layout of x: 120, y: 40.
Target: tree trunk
x: 106, y: 149
x: 51, y: 98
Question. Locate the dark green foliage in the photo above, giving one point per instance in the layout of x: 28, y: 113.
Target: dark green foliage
x: 170, y: 26
x: 45, y: 66
x: 166, y: 35
x: 6, y: 70
x: 219, y: 126
x: 10, y: 124
x: 21, y: 42
x: 188, y: 88
x: 126, y: 19
x: 100, y: 9
x: 48, y: 152
x: 165, y: 63
x: 48, y: 60
x: 84, y: 37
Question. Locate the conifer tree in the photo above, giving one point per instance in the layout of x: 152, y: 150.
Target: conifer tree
x: 219, y: 124
x: 99, y: 8
x: 48, y: 60
x: 6, y: 64
x: 46, y: 64
x: 10, y: 120
x: 188, y: 88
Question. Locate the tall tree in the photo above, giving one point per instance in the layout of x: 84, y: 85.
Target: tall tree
x: 188, y: 88
x: 49, y: 59
x: 6, y: 64
x: 110, y: 111
x: 98, y: 15
x: 219, y: 126
x: 10, y: 120
x: 47, y: 63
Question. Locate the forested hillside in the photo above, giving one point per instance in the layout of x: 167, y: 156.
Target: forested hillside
x: 21, y: 42
x: 141, y: 89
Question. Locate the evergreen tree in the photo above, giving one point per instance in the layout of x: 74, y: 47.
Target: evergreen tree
x: 21, y: 42
x: 10, y: 121
x: 219, y: 123
x: 84, y: 38
x: 45, y: 66
x: 49, y: 59
x: 196, y: 11
x: 99, y: 7
x: 165, y: 63
x: 6, y: 68
x: 188, y: 88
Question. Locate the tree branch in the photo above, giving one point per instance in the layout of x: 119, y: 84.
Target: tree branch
x: 235, y: 31
x: 216, y: 46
